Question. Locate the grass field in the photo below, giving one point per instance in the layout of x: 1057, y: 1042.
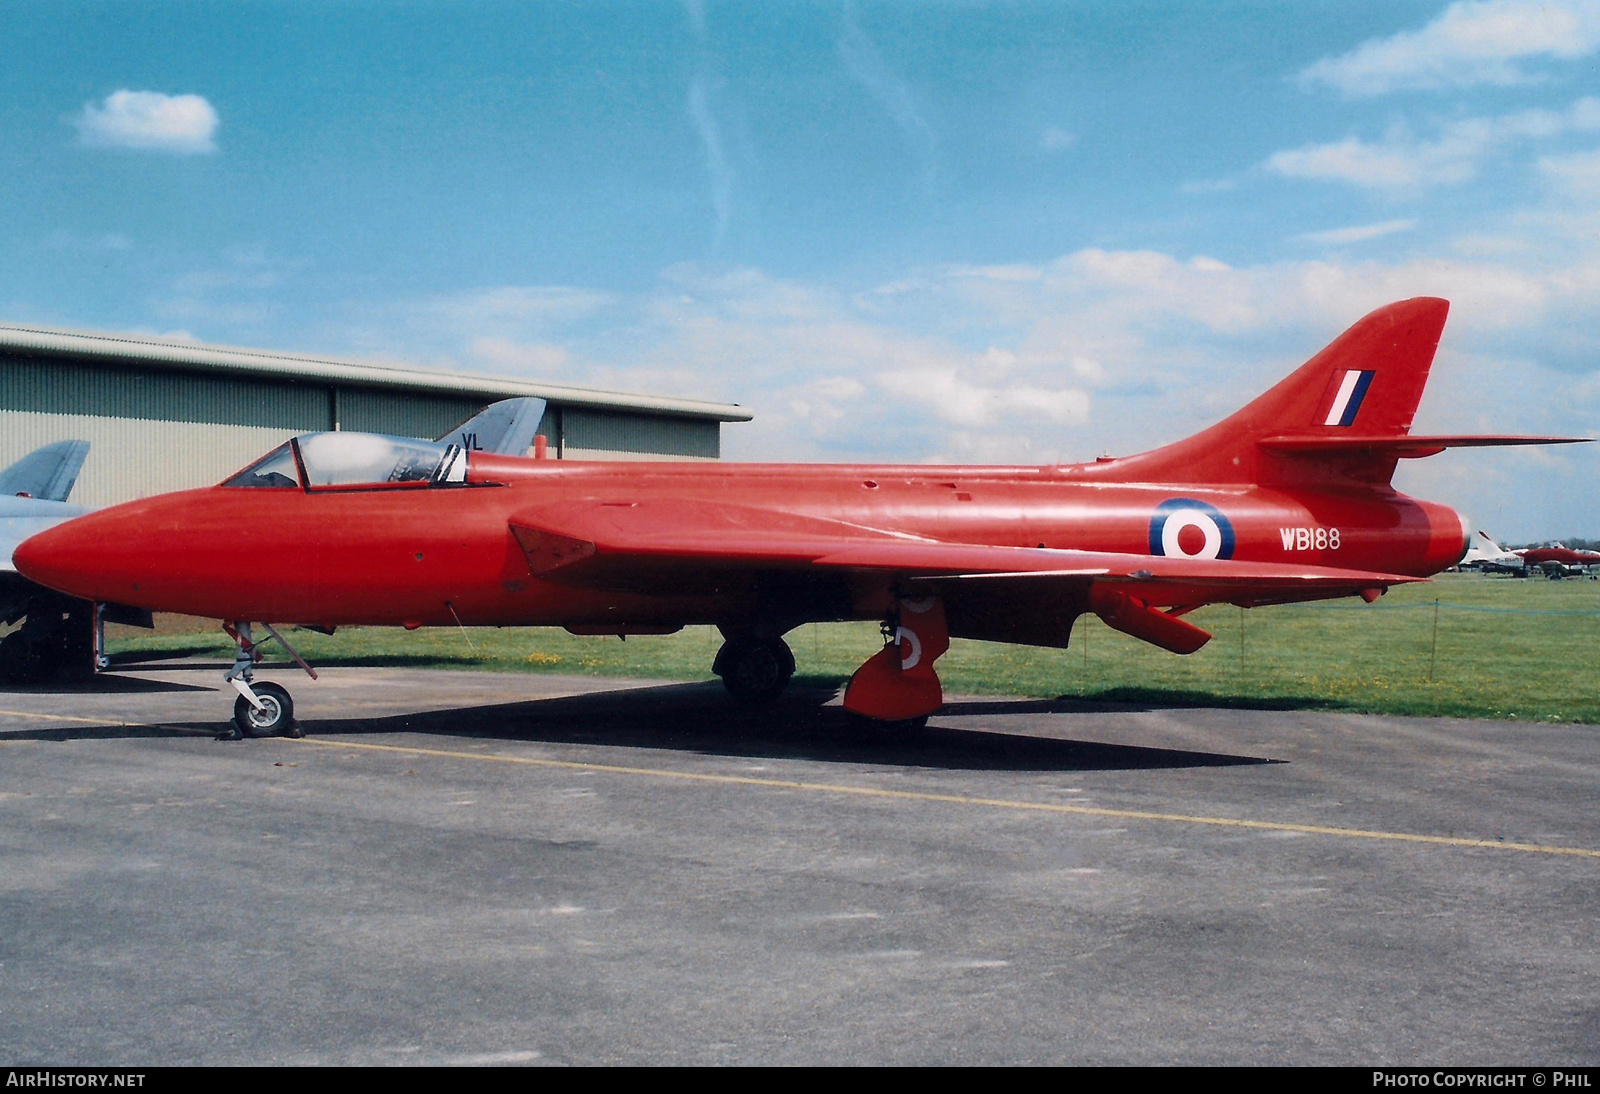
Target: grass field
x: 1506, y: 648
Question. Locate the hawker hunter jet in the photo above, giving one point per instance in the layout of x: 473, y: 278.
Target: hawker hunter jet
x: 1287, y: 500
x: 1557, y: 560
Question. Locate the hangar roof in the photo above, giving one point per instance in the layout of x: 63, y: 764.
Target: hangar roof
x: 124, y: 348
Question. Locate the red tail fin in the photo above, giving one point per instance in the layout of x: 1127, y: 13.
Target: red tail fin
x: 1367, y: 382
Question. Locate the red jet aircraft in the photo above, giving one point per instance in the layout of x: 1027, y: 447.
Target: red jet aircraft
x: 1287, y: 500
x: 1559, y: 554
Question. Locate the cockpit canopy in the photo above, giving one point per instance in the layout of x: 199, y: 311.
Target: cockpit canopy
x: 339, y: 460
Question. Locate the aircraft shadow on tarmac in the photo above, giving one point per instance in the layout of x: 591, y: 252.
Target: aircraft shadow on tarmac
x: 110, y: 732
x: 107, y: 684
x: 700, y: 718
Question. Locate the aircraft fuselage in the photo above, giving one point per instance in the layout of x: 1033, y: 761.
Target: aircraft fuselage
x: 416, y: 554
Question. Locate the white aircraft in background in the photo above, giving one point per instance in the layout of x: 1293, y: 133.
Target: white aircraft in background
x: 1488, y: 556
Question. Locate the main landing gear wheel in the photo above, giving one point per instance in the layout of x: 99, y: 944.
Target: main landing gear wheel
x: 276, y: 714
x: 754, y: 670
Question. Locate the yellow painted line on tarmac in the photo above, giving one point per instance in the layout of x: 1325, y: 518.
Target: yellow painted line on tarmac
x: 66, y: 718
x: 99, y: 722
x: 961, y: 799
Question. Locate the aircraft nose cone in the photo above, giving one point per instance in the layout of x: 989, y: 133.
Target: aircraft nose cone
x: 64, y: 558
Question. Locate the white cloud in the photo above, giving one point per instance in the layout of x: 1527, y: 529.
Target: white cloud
x: 1402, y: 162
x: 1146, y: 290
x: 519, y: 304
x: 1359, y: 233
x: 149, y: 120
x: 1088, y: 370
x: 1398, y: 163
x: 1577, y: 174
x: 1054, y: 139
x: 1470, y: 42
x: 505, y: 355
x: 1208, y: 186
x: 1013, y: 272
x: 238, y: 289
x: 717, y: 168
x: 704, y: 87
x: 891, y: 91
x: 72, y: 241
x: 962, y: 400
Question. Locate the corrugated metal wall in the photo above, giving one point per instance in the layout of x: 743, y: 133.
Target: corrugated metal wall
x: 152, y: 431
x: 66, y: 387
x: 592, y: 435
x: 402, y: 413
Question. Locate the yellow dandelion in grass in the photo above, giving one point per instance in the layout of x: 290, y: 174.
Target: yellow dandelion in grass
x: 537, y: 658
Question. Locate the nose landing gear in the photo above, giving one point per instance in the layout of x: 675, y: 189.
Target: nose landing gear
x: 262, y: 709
x: 276, y: 712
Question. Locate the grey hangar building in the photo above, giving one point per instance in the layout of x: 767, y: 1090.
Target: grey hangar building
x: 168, y: 415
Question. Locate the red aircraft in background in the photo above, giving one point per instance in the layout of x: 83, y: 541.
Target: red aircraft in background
x: 1287, y: 500
x: 1559, y: 555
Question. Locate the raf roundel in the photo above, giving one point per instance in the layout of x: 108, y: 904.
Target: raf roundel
x: 1186, y: 528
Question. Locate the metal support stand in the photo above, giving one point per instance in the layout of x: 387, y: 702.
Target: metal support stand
x: 101, y: 661
x: 284, y: 642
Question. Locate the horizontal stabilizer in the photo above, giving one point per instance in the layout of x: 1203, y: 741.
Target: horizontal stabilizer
x: 1401, y: 446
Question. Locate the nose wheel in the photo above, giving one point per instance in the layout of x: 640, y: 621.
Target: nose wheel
x: 274, y: 716
x: 263, y: 709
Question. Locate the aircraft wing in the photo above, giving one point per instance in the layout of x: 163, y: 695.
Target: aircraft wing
x: 642, y: 544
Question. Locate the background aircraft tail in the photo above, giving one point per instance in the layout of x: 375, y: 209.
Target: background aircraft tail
x: 47, y: 473
x: 1493, y: 543
x: 1343, y: 416
x: 505, y: 428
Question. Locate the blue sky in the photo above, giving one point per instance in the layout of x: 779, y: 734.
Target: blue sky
x: 974, y: 232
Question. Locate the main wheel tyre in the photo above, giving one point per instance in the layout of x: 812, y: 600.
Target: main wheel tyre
x: 755, y: 670
x: 275, y: 716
